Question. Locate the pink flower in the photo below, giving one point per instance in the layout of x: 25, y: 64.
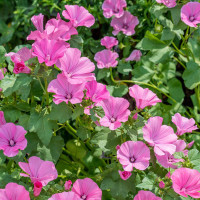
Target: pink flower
x: 109, y: 42
x: 189, y: 145
x: 13, y: 191
x: 126, y: 24
x: 116, y: 111
x: 40, y: 172
x: 78, y: 16
x: 161, y: 137
x: 96, y: 92
x: 143, y: 97
x: 65, y: 195
x: 168, y: 160
x: 124, y: 174
x: 2, y: 119
x: 87, y: 189
x: 113, y: 7
x: 190, y: 14
x: 135, y: 116
x: 65, y: 91
x: 133, y: 154
x: 19, y: 60
x: 162, y: 184
x: 186, y: 182
x: 117, y: 147
x: 146, y: 195
x: 183, y: 124
x: 106, y: 59
x: 135, y: 55
x: 58, y: 29
x: 77, y: 69
x: 168, y: 3
x: 49, y: 51
x: 12, y: 138
x: 68, y: 185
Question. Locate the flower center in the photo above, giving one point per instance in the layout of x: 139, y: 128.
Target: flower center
x: 191, y: 18
x: 112, y: 119
x: 83, y: 196
x: 12, y: 143
x: 48, y: 57
x: 68, y: 96
x: 132, y: 159
x: 125, y: 26
x: 125, y: 173
x: 116, y: 10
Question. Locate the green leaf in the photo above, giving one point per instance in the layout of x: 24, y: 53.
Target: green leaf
x: 124, y: 68
x: 42, y: 126
x: 191, y: 75
x: 11, y: 114
x: 77, y: 112
x: 83, y: 133
x: 61, y: 112
x: 148, y: 182
x: 76, y: 42
x: 2, y: 54
x: 194, y: 156
x: 175, y: 89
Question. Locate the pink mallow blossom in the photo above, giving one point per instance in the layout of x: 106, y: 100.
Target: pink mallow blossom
x: 68, y: 185
x: 133, y: 155
x: 161, y: 137
x: 77, y: 69
x: 116, y: 111
x: 13, y: 191
x: 190, y: 14
x: 96, y: 92
x: 40, y: 172
x: 19, y: 60
x: 126, y: 24
x: 78, y: 16
x: 124, y: 174
x: 168, y: 3
x: 109, y: 42
x: 113, y: 7
x: 183, y: 124
x: 186, y: 182
x: 65, y: 91
x: 87, y: 189
x: 65, y: 195
x: 12, y: 138
x: 106, y: 59
x: 135, y: 55
x: 143, y: 97
x: 58, y: 29
x: 49, y: 51
x: 161, y: 185
x: 146, y: 195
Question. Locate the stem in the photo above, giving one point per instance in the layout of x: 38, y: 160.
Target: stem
x: 41, y: 85
x: 140, y: 83
x: 47, y: 94
x: 197, y: 95
x: 180, y: 62
x: 177, y: 50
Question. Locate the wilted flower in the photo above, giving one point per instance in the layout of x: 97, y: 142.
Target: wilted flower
x: 190, y: 14
x: 186, y: 182
x: 133, y: 154
x: 87, y: 189
x: 49, y: 51
x: 126, y: 24
x: 65, y: 91
x: 77, y: 69
x: 183, y: 124
x: 124, y: 174
x: 106, y: 59
x: 2, y: 119
x: 68, y: 185
x: 13, y: 191
x: 109, y: 42
x: 135, y: 55
x: 116, y: 111
x: 146, y: 195
x: 162, y: 184
x: 143, y: 97
x: 12, y: 138
x: 113, y: 7
x: 161, y: 137
x: 78, y: 16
